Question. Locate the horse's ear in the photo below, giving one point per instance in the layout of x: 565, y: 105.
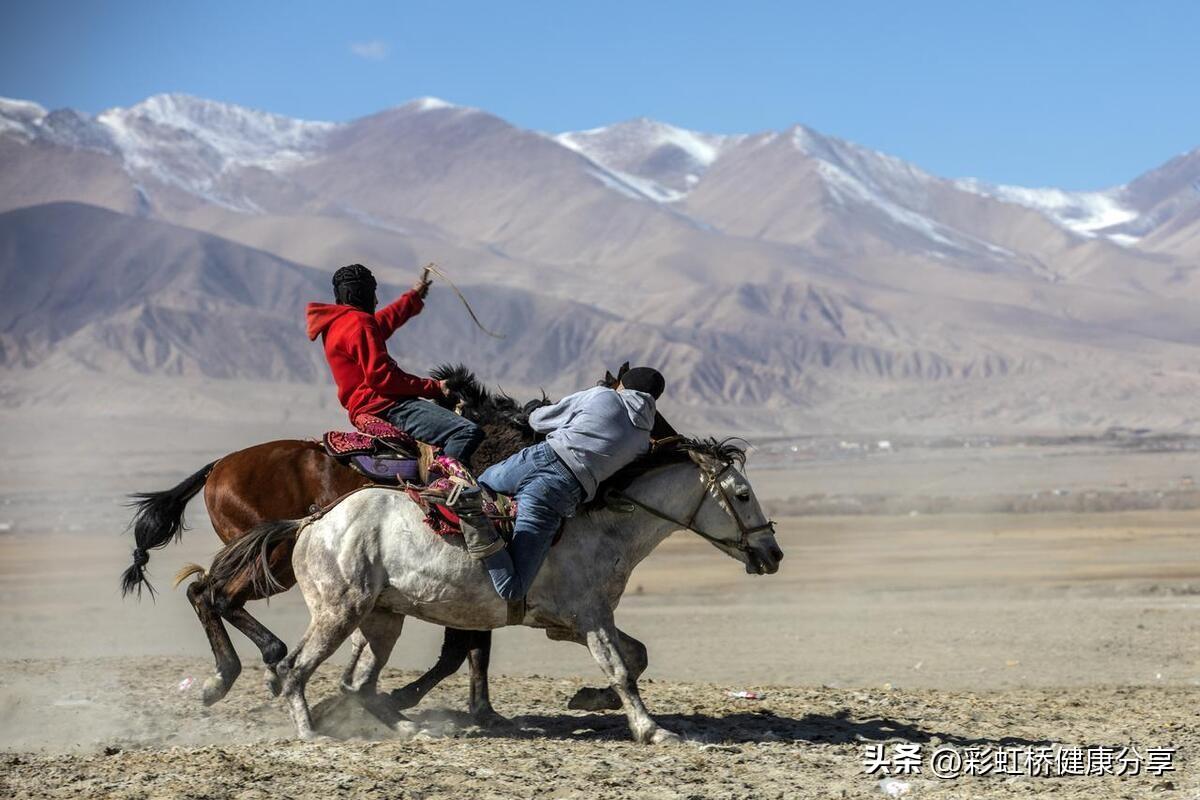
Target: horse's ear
x: 609, y: 379
x: 624, y: 368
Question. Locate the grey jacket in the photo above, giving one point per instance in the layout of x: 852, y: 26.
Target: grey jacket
x: 597, y: 431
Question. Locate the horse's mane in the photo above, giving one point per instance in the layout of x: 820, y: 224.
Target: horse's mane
x: 482, y: 406
x: 675, y: 450
x: 504, y: 421
x: 507, y: 425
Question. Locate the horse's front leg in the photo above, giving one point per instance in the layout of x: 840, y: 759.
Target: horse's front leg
x: 457, y: 646
x: 604, y: 641
x: 479, y: 656
x: 590, y: 698
x: 454, y: 652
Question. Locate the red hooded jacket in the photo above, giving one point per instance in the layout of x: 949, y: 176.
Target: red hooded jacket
x: 368, y: 380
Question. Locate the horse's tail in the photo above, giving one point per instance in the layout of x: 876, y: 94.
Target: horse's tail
x: 187, y: 571
x: 252, y: 552
x: 158, y: 519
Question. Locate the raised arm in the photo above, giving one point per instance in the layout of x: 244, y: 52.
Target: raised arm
x: 392, y: 316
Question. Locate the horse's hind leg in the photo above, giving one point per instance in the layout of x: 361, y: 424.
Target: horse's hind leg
x: 271, y: 646
x: 232, y: 599
x: 373, y: 643
x: 329, y: 627
x: 228, y: 664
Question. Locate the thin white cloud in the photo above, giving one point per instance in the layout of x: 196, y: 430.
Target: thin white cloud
x: 373, y: 50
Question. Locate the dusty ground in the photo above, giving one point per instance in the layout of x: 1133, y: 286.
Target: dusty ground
x: 140, y: 736
x: 1001, y: 631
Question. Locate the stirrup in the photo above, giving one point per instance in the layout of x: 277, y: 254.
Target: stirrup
x: 457, y: 485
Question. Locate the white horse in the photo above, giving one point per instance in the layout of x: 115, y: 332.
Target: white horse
x: 371, y: 560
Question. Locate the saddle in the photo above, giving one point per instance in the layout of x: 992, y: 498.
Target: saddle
x: 378, y: 450
x: 392, y: 458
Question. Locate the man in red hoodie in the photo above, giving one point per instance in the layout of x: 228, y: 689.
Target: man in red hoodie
x: 368, y: 380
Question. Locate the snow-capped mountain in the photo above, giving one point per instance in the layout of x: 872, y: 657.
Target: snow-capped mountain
x: 222, y: 154
x: 787, y: 274
x: 1124, y: 214
x: 177, y: 137
x: 181, y: 141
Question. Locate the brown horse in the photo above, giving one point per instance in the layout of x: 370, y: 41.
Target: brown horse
x: 284, y: 480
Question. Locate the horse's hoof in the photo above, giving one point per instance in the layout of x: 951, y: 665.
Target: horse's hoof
x: 273, y: 681
x: 405, y: 697
x: 664, y: 736
x: 405, y: 728
x: 487, y: 718
x: 591, y: 699
x: 214, y: 689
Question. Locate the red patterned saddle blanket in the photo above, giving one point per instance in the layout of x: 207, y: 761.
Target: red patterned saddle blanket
x: 378, y: 449
x: 374, y: 436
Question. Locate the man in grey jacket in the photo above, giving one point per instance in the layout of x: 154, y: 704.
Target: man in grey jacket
x: 590, y: 435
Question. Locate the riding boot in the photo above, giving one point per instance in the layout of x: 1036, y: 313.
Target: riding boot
x: 478, y: 532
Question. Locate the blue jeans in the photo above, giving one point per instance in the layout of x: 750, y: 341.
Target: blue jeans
x: 430, y: 423
x: 546, y: 493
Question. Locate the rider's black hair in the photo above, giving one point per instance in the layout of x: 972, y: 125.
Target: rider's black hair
x: 354, y: 285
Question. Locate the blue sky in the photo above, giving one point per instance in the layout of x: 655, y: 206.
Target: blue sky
x: 1072, y: 94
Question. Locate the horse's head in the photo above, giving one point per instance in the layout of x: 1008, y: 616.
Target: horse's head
x: 729, y: 514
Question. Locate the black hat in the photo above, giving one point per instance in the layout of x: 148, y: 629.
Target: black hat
x: 645, y: 379
x: 354, y: 285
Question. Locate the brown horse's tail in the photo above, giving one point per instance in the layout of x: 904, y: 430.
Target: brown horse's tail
x: 252, y: 553
x: 157, y: 520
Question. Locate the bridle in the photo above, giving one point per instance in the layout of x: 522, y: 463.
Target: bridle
x: 713, y: 480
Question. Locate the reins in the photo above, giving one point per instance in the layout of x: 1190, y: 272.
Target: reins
x: 712, y: 480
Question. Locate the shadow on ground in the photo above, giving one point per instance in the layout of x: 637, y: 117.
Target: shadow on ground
x: 343, y: 717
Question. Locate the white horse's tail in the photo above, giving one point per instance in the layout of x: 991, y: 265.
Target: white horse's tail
x: 254, y: 553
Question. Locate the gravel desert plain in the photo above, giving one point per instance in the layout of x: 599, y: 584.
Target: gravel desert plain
x: 1039, y: 597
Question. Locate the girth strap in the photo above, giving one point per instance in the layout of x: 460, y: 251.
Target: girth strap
x: 516, y: 611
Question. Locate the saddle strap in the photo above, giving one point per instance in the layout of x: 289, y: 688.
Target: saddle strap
x: 516, y: 612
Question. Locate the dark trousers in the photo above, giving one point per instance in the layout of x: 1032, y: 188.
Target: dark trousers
x: 430, y: 423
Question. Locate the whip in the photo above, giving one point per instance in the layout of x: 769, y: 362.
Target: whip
x: 432, y: 267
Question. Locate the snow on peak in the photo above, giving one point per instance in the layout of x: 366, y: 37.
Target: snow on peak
x: 21, y: 109
x: 20, y: 116
x: 1085, y: 213
x: 893, y: 174
x: 231, y: 135
x: 430, y: 104
x: 664, y: 162
x: 190, y: 143
x: 637, y: 139
x: 857, y: 174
